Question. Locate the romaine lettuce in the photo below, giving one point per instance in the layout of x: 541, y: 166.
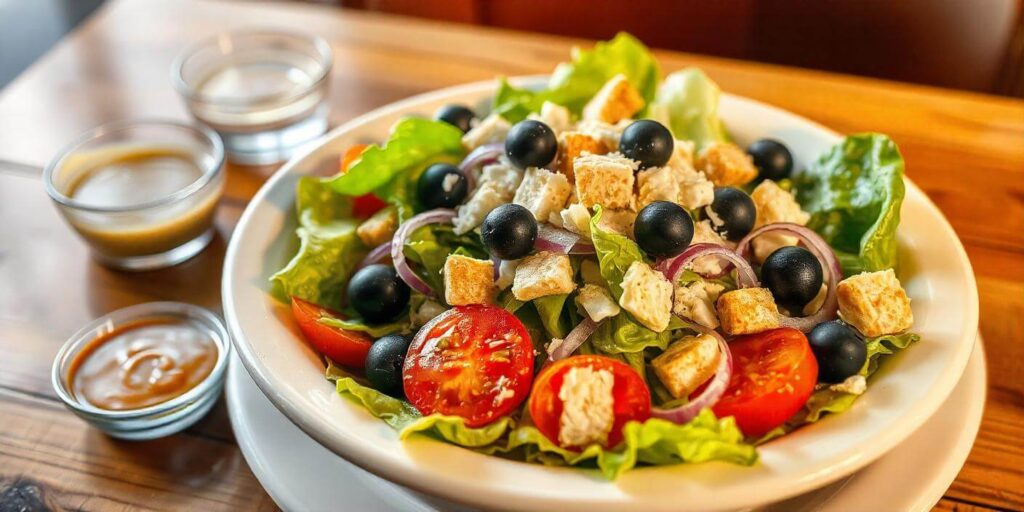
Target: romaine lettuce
x: 615, y: 253
x: 688, y: 101
x: 549, y: 309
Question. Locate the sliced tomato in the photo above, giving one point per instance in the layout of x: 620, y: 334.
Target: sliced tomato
x: 773, y: 375
x: 367, y: 204
x: 632, y: 399
x: 347, y: 348
x: 475, y: 362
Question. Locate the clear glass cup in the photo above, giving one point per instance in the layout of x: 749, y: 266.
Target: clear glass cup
x: 157, y: 420
x: 146, y: 232
x: 264, y: 92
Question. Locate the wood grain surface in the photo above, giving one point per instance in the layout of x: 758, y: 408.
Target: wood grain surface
x: 965, y: 150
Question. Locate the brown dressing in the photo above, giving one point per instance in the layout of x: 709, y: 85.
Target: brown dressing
x: 143, y: 363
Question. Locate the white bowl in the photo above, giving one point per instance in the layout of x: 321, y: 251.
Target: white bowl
x: 909, y: 388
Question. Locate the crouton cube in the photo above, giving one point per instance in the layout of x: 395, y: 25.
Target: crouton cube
x: 875, y: 303
x: 696, y: 302
x: 542, y: 274
x: 597, y: 302
x: 618, y: 221
x: 606, y: 180
x: 747, y: 310
x: 775, y: 205
x: 468, y: 280
x: 554, y: 115
x: 647, y: 295
x: 543, y: 192
x: 493, y: 128
x: 609, y: 134
x: 575, y: 144
x: 617, y: 100
x: 726, y: 165
x: 682, y: 153
x: 687, y: 364
x: 703, y: 233
x: 379, y: 228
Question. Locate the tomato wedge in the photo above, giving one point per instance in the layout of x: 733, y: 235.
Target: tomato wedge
x: 475, y: 362
x: 632, y: 399
x: 773, y: 375
x: 347, y: 348
x: 367, y: 204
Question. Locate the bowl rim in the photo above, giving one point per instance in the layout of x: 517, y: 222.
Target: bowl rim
x: 463, y: 492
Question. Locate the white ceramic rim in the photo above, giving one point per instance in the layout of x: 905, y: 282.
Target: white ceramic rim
x: 449, y: 486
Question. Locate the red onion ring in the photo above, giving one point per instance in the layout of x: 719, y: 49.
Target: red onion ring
x: 673, y: 267
x: 574, y: 339
x: 496, y: 261
x: 482, y: 155
x: 552, y: 239
x: 711, y: 393
x: 398, y: 246
x: 378, y: 253
x: 825, y: 255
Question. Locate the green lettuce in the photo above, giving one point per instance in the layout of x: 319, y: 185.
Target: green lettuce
x: 655, y: 441
x: 375, y: 331
x: 853, y: 194
x: 549, y: 309
x: 615, y: 253
x: 688, y: 101
x: 573, y: 84
x: 623, y: 334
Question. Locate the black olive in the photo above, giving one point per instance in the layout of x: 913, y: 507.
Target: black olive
x: 772, y: 159
x: 384, y: 363
x: 663, y: 229
x: 732, y: 213
x: 377, y: 293
x: 840, y: 351
x: 531, y: 144
x: 794, y: 277
x: 509, y: 231
x: 458, y: 116
x: 647, y: 142
x: 441, y: 186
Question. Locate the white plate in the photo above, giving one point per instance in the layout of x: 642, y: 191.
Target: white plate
x: 299, y: 474
x: 908, y: 390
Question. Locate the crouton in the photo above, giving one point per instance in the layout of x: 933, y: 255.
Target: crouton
x: 575, y: 144
x: 542, y: 192
x: 703, y: 233
x: 542, y: 274
x: 597, y: 302
x: 647, y: 295
x: 681, y: 185
x: 695, y: 301
x: 468, y: 280
x: 379, y: 228
x: 687, y: 364
x: 682, y: 153
x: 875, y: 303
x: 617, y: 100
x: 726, y: 165
x: 554, y: 115
x: 609, y: 134
x: 775, y: 205
x: 747, y: 310
x: 493, y: 128
x: 606, y: 180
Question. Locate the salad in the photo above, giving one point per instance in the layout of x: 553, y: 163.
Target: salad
x: 595, y: 274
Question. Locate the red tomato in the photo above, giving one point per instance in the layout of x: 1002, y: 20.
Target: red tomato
x: 630, y: 393
x: 347, y: 348
x: 773, y: 375
x: 367, y: 204
x: 475, y: 362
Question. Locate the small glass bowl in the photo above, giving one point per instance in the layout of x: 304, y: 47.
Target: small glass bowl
x: 152, y: 233
x: 158, y: 420
x: 265, y: 92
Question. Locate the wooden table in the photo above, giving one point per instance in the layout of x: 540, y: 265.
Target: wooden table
x: 965, y: 150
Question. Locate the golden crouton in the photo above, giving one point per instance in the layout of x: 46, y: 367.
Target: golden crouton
x: 875, y: 303
x: 726, y: 165
x: 747, y: 310
x: 542, y: 274
x: 687, y: 364
x: 775, y: 205
x: 617, y: 100
x: 468, y: 281
x: 379, y: 228
x: 574, y: 144
x: 606, y: 180
x: 647, y: 295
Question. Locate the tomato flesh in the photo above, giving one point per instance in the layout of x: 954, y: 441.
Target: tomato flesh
x: 773, y: 375
x: 632, y: 399
x: 347, y: 348
x: 366, y: 204
x: 475, y: 362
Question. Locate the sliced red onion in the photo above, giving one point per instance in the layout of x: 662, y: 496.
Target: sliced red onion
x: 576, y: 337
x: 582, y: 248
x: 825, y: 255
x: 674, y: 267
x: 398, y: 245
x: 482, y: 155
x: 552, y: 239
x: 711, y: 393
x: 378, y: 253
x: 496, y: 261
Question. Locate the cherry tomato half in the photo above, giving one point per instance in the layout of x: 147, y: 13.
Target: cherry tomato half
x: 367, y: 204
x: 773, y: 375
x: 475, y: 362
x: 632, y: 399
x: 347, y: 348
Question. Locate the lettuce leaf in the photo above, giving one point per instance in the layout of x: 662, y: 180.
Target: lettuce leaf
x: 853, y: 194
x: 655, y: 441
x: 549, y: 309
x: 572, y: 84
x: 375, y: 331
x: 688, y: 101
x: 615, y: 253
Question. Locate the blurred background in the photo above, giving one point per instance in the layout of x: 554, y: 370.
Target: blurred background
x: 975, y: 45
